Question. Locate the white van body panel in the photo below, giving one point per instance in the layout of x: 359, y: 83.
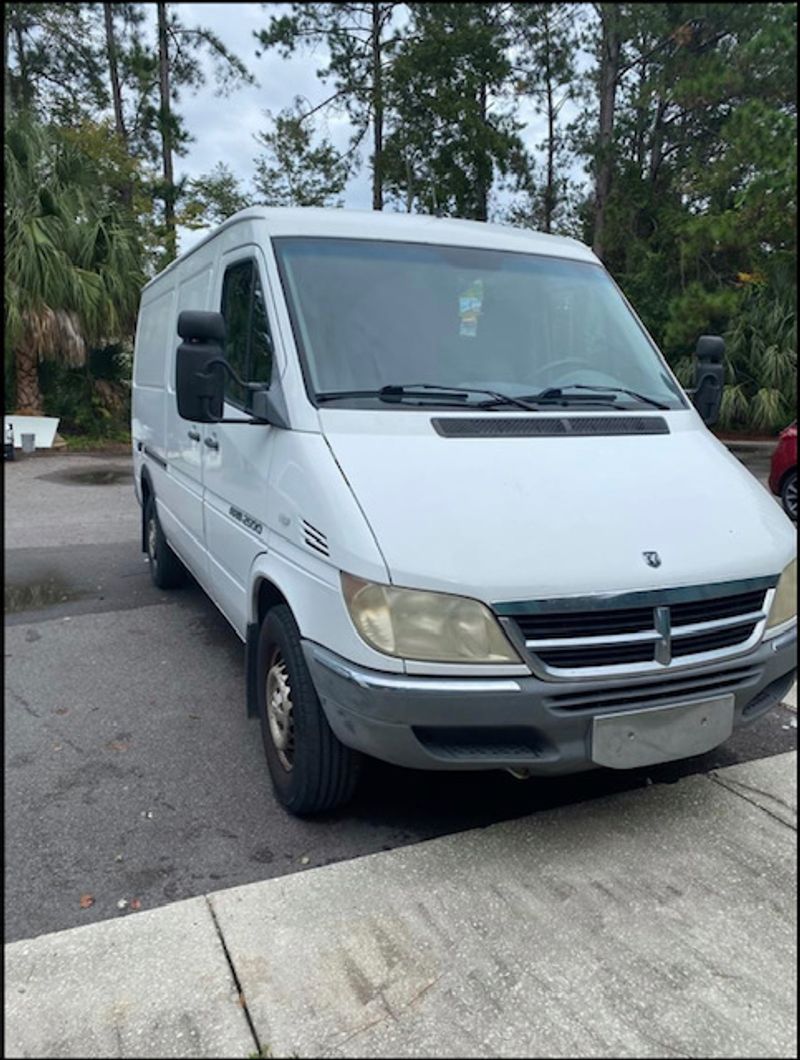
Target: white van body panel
x: 503, y: 519
x: 379, y: 494
x: 301, y: 509
x: 234, y: 470
x: 314, y: 592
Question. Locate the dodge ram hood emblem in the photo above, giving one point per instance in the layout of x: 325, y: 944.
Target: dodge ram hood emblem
x: 652, y: 559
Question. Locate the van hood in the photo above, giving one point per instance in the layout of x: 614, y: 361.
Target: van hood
x: 515, y: 518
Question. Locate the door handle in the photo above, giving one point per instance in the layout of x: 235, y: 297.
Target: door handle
x: 194, y: 435
x: 212, y: 443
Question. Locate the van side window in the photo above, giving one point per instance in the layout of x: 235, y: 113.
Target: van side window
x: 248, y: 342
x: 236, y: 293
x: 261, y: 339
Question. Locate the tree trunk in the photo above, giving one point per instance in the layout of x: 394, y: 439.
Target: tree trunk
x: 377, y: 110
x: 549, y: 195
x: 126, y: 193
x: 116, y: 92
x: 657, y: 145
x: 6, y: 68
x: 609, y: 71
x: 481, y: 183
x: 166, y: 135
x: 26, y: 371
x: 24, y: 91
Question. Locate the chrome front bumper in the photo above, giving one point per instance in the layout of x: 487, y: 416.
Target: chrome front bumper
x: 524, y: 723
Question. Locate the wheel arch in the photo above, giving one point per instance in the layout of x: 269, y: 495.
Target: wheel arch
x: 311, y: 589
x: 791, y: 470
x: 265, y: 595
x: 146, y: 486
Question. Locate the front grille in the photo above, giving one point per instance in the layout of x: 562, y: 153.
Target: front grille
x: 721, y: 638
x: 613, y: 655
x: 721, y: 607
x: 586, y: 624
x: 641, y: 693
x: 638, y: 632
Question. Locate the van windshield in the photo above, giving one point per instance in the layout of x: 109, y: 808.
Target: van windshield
x: 370, y: 315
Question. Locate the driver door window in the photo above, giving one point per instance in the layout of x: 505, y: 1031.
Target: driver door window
x: 248, y: 341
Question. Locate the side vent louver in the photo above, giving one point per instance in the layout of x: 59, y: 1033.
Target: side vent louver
x: 315, y: 538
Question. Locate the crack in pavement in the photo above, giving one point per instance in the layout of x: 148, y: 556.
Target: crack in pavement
x: 236, y: 982
x: 737, y: 787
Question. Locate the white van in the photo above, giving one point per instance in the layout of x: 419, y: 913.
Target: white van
x: 448, y: 492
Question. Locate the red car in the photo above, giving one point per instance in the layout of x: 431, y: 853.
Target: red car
x: 783, y: 472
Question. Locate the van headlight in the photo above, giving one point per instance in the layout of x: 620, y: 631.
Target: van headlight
x: 784, y: 602
x: 417, y: 624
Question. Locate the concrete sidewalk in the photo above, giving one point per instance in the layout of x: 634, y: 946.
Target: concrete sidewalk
x: 660, y: 922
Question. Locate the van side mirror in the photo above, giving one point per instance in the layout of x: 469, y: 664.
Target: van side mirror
x: 200, y: 385
x: 709, y: 375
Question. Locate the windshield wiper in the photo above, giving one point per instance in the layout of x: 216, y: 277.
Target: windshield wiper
x: 558, y: 392
x: 429, y: 392
x: 390, y: 393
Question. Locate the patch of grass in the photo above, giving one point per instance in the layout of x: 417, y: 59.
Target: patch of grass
x: 116, y: 441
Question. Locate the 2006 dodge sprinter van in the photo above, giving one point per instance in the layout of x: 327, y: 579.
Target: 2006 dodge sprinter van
x: 448, y: 492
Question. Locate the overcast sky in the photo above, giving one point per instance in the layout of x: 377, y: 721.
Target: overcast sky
x: 223, y: 126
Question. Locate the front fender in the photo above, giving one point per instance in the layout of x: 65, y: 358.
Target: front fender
x: 312, y: 589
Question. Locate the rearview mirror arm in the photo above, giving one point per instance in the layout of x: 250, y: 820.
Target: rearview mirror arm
x: 251, y: 387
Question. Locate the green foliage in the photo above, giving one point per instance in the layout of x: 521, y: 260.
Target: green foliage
x: 361, y: 44
x: 453, y: 123
x: 212, y: 198
x: 703, y: 194
x: 698, y: 217
x: 92, y: 400
x: 55, y: 66
x: 761, y: 366
x: 697, y: 311
x: 545, y: 71
x: 295, y: 171
x: 73, y: 257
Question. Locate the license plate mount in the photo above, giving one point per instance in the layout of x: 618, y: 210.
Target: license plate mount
x: 632, y: 738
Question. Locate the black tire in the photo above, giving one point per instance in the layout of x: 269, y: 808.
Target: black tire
x: 311, y: 770
x: 166, y: 570
x: 789, y: 495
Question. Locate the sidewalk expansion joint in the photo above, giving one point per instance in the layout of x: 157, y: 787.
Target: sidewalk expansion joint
x: 737, y: 788
x: 237, y: 984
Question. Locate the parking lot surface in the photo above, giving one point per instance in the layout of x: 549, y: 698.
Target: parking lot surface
x: 133, y: 776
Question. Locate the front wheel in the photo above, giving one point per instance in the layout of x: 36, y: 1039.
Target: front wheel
x: 789, y: 495
x: 311, y: 769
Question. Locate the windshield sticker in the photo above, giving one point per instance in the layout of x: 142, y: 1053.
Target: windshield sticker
x: 469, y: 308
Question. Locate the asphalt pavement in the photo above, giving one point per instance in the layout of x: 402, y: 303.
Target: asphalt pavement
x: 656, y: 923
x: 133, y: 776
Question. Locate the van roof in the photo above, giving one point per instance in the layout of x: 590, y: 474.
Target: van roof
x: 400, y: 227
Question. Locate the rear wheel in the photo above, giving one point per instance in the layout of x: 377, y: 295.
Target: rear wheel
x: 311, y: 770
x: 166, y: 570
x: 789, y: 495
